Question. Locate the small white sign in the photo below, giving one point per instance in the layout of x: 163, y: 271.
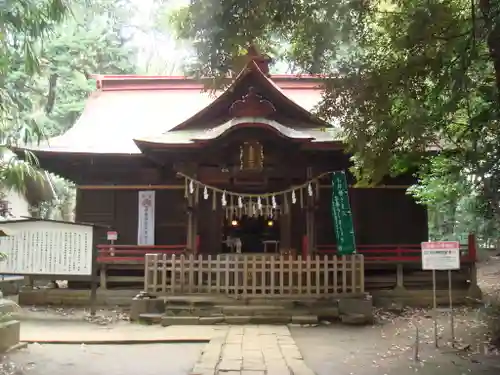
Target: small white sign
x: 112, y: 235
x: 441, y: 255
x: 146, y: 221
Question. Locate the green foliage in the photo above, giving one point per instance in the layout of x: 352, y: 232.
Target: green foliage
x: 24, y: 24
x: 414, y: 84
x: 308, y: 34
x: 44, y: 74
x: 90, y: 41
x: 62, y: 207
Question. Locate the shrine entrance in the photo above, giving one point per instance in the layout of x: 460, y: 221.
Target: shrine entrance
x: 251, y: 234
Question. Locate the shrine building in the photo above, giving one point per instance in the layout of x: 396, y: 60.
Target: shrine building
x: 175, y: 169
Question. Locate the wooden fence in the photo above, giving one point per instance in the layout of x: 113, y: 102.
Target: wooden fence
x: 254, y: 275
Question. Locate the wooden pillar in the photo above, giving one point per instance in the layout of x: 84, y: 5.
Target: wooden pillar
x: 192, y: 224
x: 310, y: 225
x: 103, y: 283
x: 195, y: 228
x: 190, y: 221
x: 192, y: 207
x: 285, y: 224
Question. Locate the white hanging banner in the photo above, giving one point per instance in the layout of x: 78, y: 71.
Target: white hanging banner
x: 146, y: 219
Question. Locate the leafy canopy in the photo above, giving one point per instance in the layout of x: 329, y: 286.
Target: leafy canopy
x: 414, y: 84
x: 24, y: 24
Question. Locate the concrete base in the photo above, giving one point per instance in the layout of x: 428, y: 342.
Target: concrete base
x: 215, y: 309
x: 356, y: 319
x: 142, y: 306
x: 475, y: 293
x: 74, y: 297
x: 419, y: 298
x: 9, y: 335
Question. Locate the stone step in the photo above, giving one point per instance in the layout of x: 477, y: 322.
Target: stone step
x: 200, y: 300
x: 207, y: 310
x: 239, y: 320
x: 254, y: 310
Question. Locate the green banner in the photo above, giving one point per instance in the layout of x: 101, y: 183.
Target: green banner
x: 342, y: 216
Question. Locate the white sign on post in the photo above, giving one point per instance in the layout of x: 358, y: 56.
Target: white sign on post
x: 441, y: 255
x: 112, y: 235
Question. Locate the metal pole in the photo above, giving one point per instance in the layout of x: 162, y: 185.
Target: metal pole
x: 416, y: 353
x: 93, y: 282
x: 452, y: 318
x: 434, y: 306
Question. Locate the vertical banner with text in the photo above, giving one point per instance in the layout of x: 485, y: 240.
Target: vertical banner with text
x: 146, y: 220
x: 342, y: 216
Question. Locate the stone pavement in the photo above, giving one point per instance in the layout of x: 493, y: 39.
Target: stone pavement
x: 252, y: 350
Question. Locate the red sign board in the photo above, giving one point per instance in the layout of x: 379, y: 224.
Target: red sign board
x: 440, y: 245
x: 112, y: 235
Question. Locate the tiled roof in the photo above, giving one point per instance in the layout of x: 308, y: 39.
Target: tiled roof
x: 147, y: 110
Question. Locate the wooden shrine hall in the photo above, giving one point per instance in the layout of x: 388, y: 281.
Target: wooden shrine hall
x: 242, y: 173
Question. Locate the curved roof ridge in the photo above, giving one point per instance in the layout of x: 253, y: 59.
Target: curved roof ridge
x: 250, y: 67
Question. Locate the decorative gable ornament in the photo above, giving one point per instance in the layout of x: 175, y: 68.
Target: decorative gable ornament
x: 252, y: 105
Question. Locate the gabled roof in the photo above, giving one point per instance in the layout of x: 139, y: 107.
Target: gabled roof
x: 254, y: 76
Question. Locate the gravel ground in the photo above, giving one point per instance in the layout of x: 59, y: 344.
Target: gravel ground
x: 388, y: 348
x: 336, y: 350
x: 152, y: 359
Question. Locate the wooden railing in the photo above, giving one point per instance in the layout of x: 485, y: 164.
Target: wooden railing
x: 406, y: 253
x: 389, y: 253
x: 254, y: 275
x: 109, y: 254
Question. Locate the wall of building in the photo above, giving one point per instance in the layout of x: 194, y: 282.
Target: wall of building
x: 380, y: 216
x: 118, y: 209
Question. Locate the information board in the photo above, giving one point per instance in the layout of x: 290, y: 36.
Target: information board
x: 342, y: 216
x: 47, y: 248
x: 441, y: 255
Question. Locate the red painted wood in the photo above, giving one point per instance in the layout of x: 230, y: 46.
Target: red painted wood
x: 386, y: 253
x: 395, y: 253
x: 117, y: 253
x: 305, y: 250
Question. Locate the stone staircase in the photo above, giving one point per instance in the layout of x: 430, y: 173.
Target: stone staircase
x: 195, y: 309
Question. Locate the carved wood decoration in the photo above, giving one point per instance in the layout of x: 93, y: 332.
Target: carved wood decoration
x: 252, y: 156
x: 252, y: 105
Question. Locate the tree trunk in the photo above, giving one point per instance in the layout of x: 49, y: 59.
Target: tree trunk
x: 489, y: 11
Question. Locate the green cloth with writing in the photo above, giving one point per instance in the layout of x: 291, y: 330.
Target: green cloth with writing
x: 342, y: 216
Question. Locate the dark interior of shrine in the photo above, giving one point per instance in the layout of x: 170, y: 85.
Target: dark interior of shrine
x: 253, y: 231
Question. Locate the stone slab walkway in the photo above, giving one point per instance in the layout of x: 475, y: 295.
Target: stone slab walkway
x: 123, y: 333
x: 252, y: 350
